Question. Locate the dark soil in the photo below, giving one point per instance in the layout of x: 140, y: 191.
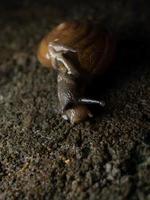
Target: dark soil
x: 41, y: 155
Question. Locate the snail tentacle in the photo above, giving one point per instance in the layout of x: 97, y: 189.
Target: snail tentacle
x: 92, y: 101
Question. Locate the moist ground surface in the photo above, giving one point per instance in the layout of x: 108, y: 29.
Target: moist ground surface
x: 41, y: 155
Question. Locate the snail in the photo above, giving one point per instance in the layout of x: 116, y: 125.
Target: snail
x: 78, y: 51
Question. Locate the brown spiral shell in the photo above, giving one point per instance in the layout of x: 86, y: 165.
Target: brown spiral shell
x: 94, y: 46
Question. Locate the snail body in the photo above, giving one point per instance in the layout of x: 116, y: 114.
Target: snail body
x: 78, y: 51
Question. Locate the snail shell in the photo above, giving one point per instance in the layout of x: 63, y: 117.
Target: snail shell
x: 94, y: 45
x: 84, y: 50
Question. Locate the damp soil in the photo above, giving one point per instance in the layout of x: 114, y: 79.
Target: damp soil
x: 41, y: 155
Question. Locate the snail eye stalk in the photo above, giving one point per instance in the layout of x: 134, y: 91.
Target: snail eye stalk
x: 92, y: 101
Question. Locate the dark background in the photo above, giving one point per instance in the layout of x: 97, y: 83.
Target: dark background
x: 41, y: 155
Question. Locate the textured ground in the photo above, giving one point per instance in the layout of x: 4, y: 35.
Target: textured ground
x: 44, y: 157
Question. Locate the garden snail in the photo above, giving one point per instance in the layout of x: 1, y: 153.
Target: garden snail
x: 78, y: 51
